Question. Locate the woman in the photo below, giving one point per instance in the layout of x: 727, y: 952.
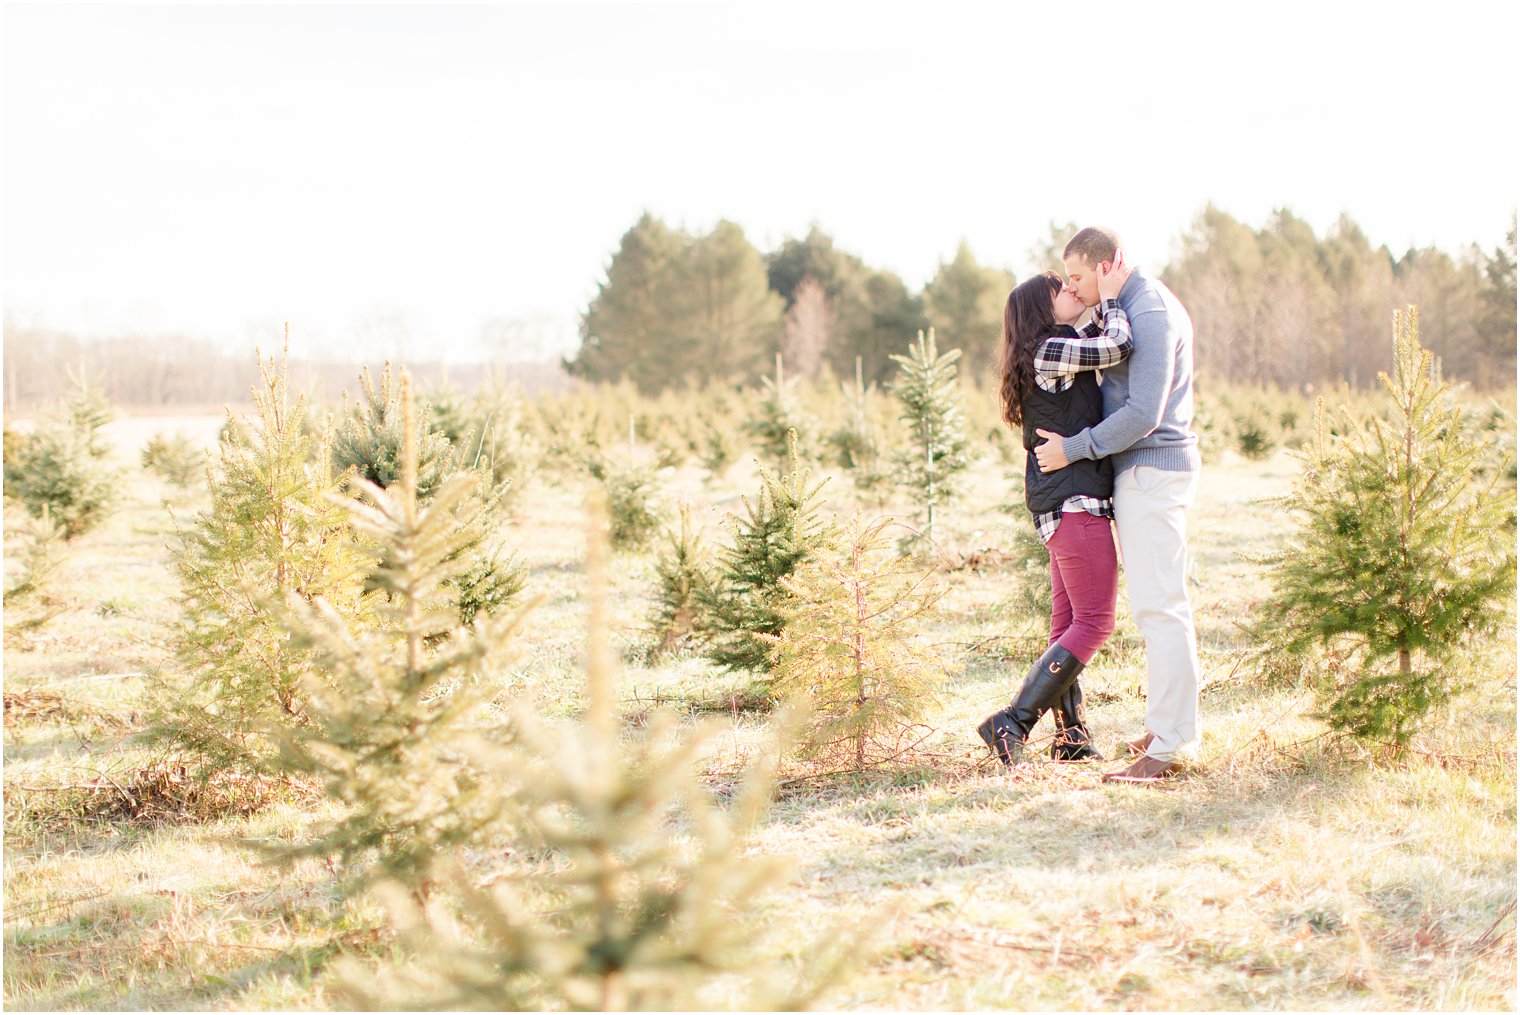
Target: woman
x: 1049, y: 383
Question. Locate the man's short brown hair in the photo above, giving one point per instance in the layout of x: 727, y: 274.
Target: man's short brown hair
x: 1094, y: 244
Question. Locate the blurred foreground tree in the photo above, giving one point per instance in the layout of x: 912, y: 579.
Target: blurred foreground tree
x: 623, y: 912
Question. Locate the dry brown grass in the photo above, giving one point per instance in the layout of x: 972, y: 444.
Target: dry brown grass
x: 1288, y: 870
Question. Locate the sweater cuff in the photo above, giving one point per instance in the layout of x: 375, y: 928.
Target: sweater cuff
x: 1078, y: 446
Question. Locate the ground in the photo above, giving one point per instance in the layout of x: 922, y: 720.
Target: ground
x: 1286, y: 871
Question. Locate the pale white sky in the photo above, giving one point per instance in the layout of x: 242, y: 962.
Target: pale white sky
x: 369, y: 171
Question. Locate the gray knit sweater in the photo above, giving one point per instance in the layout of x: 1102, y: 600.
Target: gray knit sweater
x: 1147, y: 399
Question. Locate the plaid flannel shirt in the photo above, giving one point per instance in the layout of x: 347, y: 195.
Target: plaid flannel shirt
x: 1102, y: 342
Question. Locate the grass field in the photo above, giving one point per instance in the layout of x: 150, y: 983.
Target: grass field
x: 1287, y: 871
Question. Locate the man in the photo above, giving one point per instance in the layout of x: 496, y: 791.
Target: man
x: 1147, y: 432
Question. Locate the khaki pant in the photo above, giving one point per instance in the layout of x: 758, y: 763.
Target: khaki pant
x: 1150, y: 508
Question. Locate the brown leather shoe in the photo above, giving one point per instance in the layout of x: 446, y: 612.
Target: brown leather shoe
x: 1137, y: 748
x: 1145, y: 769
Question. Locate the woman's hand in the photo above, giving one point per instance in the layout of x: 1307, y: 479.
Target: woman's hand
x: 1111, y: 281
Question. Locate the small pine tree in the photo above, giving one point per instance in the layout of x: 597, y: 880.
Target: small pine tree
x: 779, y: 412
x: 63, y: 467
x: 622, y: 915
x: 782, y: 529
x: 272, y: 529
x: 718, y: 446
x: 852, y: 647
x: 629, y: 488
x: 1401, y: 554
x: 928, y: 392
x: 29, y: 599
x: 176, y: 460
x: 857, y: 443
x: 388, y: 705
x: 1028, y: 558
x: 507, y: 441
x: 370, y: 443
x: 682, y: 572
x: 370, y: 440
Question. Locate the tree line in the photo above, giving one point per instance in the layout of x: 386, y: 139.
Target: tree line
x: 1277, y: 305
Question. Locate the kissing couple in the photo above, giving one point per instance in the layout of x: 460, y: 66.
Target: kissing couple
x: 1116, y: 455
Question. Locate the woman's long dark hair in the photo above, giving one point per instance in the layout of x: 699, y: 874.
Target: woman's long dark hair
x: 1029, y: 317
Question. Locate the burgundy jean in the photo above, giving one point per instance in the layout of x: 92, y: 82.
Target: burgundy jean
x: 1084, y: 583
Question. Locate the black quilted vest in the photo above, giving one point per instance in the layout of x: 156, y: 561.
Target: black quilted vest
x: 1067, y: 412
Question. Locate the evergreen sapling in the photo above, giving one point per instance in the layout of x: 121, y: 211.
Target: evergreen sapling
x: 781, y: 529
x: 642, y: 901
x: 853, y: 647
x: 272, y: 530
x: 927, y: 390
x: 1402, y: 556
x: 390, y: 705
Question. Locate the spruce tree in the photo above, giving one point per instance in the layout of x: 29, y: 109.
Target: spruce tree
x: 852, y: 647
x: 63, y: 468
x: 371, y: 442
x: 778, y: 413
x: 642, y: 899
x: 857, y: 443
x: 176, y: 460
x: 682, y: 571
x: 1402, y: 554
x: 781, y: 529
x: 29, y: 598
x: 927, y: 390
x: 273, y: 529
x: 389, y: 704
x: 371, y: 438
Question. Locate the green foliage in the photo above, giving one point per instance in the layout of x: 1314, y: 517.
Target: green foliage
x: 718, y: 445
x: 929, y: 394
x: 1401, y: 551
x: 852, y: 647
x: 778, y: 413
x: 388, y: 705
x: 630, y: 498
x: 676, y: 309
x: 857, y: 444
x: 781, y: 529
x: 1027, y: 563
x: 273, y: 529
x: 15, y: 445
x: 371, y: 442
x: 370, y: 439
x: 451, y: 415
x: 682, y: 572
x: 176, y: 460
x: 507, y: 441
x: 965, y: 301
x: 623, y: 913
x: 1386, y: 706
x: 29, y: 599
x: 1254, y: 437
x: 62, y: 469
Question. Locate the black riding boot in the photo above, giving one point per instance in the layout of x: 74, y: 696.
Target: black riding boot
x: 1006, y: 731
x: 1073, y: 742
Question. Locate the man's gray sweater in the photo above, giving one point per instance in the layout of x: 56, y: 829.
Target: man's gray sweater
x: 1147, y: 399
